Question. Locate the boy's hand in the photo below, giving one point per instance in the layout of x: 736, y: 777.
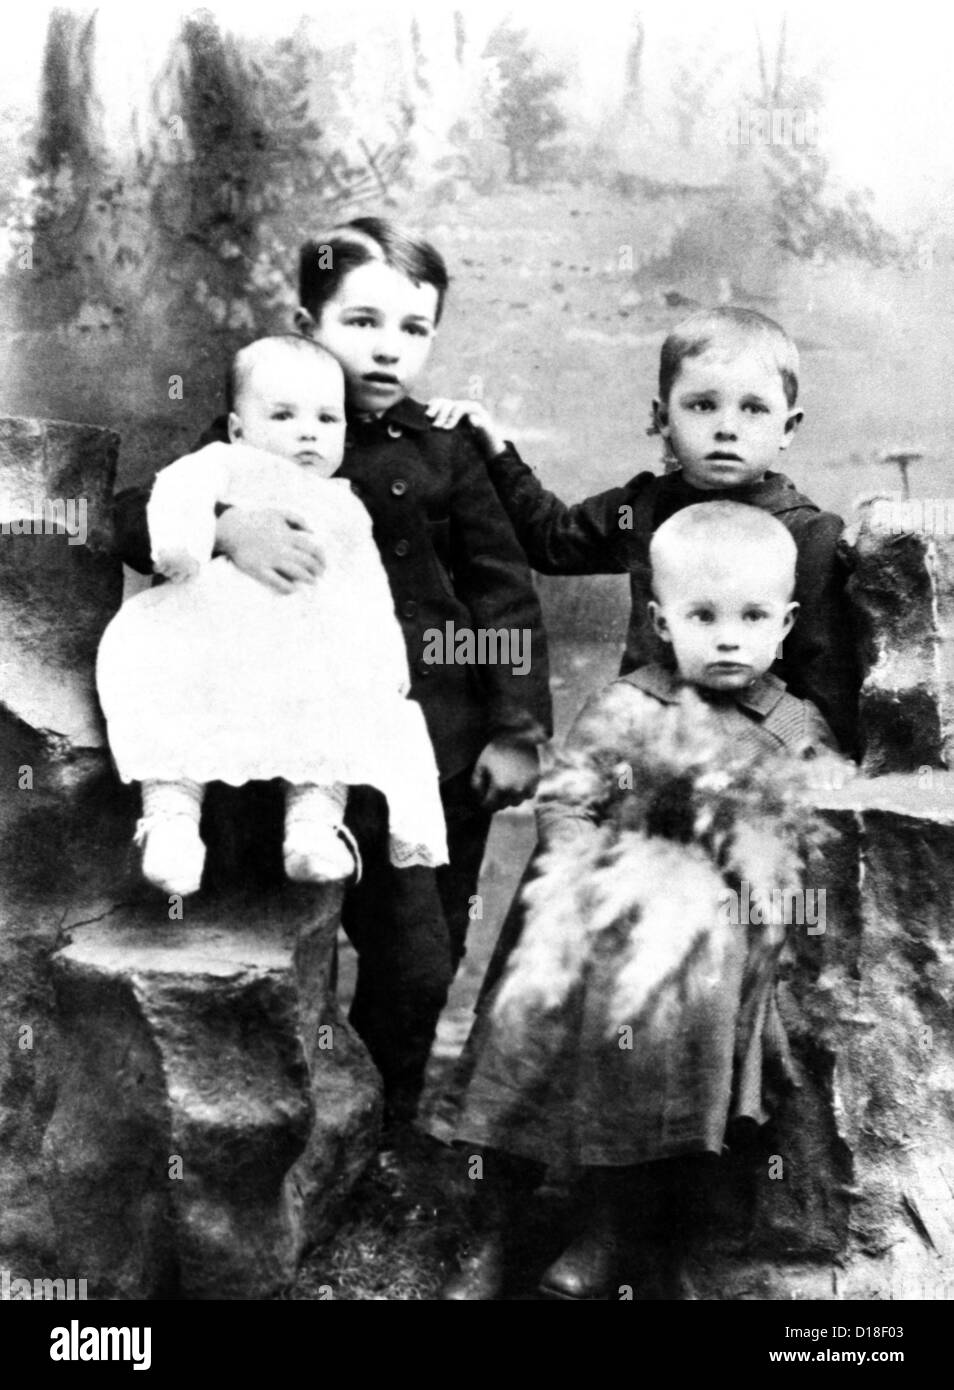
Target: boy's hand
x: 445, y: 414
x: 827, y: 774
x: 505, y: 774
x: 274, y: 547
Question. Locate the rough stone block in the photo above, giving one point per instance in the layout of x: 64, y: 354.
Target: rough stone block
x: 58, y: 461
x: 902, y: 589
x: 57, y: 590
x: 849, y: 1194
x: 60, y: 812
x: 872, y: 1129
x: 213, y: 1105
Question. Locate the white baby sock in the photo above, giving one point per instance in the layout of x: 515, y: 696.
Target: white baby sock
x: 173, y: 855
x: 318, y: 848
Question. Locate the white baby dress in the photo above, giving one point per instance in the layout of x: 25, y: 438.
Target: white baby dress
x: 218, y: 678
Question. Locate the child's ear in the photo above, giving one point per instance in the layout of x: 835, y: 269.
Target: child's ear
x: 661, y: 419
x: 659, y: 623
x: 788, y: 622
x: 235, y: 427
x: 305, y: 322
x: 795, y: 418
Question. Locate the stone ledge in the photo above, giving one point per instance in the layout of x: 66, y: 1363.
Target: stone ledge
x: 210, y: 1116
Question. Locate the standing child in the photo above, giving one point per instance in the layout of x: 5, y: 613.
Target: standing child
x: 728, y: 388
x: 637, y: 1019
x: 373, y: 296
x: 215, y: 677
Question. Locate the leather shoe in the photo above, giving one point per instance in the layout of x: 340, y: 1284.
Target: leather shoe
x: 586, y: 1269
x: 481, y: 1276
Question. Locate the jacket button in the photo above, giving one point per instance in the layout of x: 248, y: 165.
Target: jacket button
x: 401, y: 549
x: 395, y: 431
x: 399, y: 487
x: 422, y: 668
x: 409, y: 608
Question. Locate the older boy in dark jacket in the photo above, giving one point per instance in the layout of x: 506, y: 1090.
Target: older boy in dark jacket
x: 374, y: 297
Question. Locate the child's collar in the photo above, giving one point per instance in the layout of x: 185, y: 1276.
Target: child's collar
x: 776, y: 493
x: 407, y: 413
x: 760, y: 697
x: 768, y: 483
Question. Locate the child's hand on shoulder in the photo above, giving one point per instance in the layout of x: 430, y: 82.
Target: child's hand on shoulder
x: 505, y: 774
x: 445, y: 414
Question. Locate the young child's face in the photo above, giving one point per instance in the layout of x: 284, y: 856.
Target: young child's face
x: 724, y: 617
x: 380, y: 326
x: 292, y: 404
x: 727, y: 417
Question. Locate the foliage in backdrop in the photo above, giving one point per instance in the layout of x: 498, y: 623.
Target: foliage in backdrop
x: 184, y: 245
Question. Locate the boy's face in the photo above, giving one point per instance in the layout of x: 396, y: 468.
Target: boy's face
x: 724, y: 617
x: 727, y: 417
x: 381, y: 327
x: 292, y: 404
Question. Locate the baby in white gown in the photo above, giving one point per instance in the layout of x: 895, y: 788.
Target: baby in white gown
x: 217, y: 677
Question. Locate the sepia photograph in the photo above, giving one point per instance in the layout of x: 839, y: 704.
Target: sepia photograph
x: 543, y: 890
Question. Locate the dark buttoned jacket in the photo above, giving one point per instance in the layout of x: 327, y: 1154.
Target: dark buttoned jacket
x: 453, y: 563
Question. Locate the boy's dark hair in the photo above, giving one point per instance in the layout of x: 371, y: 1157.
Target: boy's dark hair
x: 323, y: 264
x: 244, y: 360
x: 695, y: 334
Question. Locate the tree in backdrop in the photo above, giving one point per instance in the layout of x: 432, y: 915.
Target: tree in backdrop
x: 185, y: 244
x: 530, y: 118
x: 230, y: 166
x: 809, y: 218
x: 742, y: 151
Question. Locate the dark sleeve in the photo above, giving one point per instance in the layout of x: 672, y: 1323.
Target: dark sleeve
x: 557, y: 539
x: 492, y: 578
x: 819, y: 661
x: 130, y: 532
x: 129, y: 510
x: 818, y: 736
